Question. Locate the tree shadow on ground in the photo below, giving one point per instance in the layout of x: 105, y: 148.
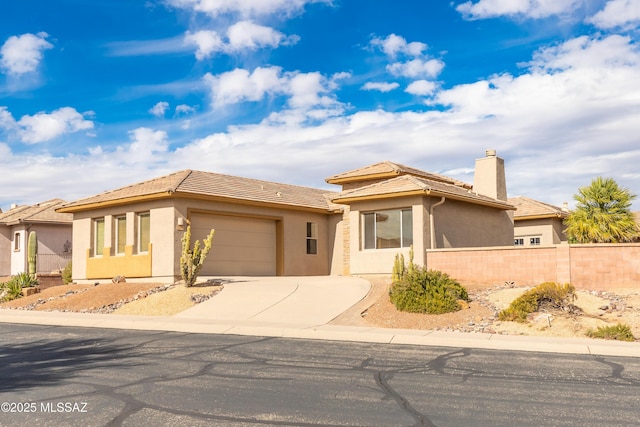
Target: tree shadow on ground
x: 45, y: 362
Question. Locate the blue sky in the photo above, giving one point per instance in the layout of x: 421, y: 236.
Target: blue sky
x: 98, y: 95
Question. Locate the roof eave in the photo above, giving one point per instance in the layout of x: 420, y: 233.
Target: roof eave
x: 497, y: 204
x: 367, y: 177
x: 540, y: 216
x: 116, y: 202
x: 234, y: 200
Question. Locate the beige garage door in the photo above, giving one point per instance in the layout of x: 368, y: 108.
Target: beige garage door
x: 241, y: 246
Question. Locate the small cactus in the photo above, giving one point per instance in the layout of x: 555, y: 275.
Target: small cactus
x: 192, y: 260
x: 398, y: 268
x: 32, y: 252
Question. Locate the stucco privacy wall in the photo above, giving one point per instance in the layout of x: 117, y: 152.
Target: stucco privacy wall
x: 589, y: 267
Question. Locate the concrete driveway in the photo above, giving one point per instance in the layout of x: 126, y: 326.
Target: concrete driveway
x: 293, y: 301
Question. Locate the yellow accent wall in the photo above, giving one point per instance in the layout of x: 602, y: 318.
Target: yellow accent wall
x: 127, y: 265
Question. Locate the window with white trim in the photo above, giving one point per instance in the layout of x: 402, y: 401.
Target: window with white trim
x: 385, y: 229
x: 518, y: 241
x: 16, y: 242
x: 312, y: 238
x: 534, y: 241
x: 144, y: 232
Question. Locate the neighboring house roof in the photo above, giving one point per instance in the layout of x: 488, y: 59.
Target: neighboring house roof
x: 44, y: 212
x: 527, y: 208
x: 409, y: 185
x: 387, y: 169
x: 211, y: 186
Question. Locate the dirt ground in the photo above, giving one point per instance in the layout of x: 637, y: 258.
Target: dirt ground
x: 598, y: 309
x: 153, y: 299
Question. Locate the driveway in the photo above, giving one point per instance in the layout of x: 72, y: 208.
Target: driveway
x: 299, y: 302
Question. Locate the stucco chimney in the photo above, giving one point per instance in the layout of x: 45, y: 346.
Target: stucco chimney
x: 489, y: 177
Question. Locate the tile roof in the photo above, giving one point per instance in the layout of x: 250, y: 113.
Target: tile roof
x: 41, y: 212
x: 409, y: 184
x: 529, y: 208
x: 389, y: 169
x: 209, y: 184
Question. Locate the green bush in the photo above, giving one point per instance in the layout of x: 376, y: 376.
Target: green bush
x: 66, y: 273
x: 618, y: 332
x: 547, y: 295
x: 16, y: 283
x: 427, y: 291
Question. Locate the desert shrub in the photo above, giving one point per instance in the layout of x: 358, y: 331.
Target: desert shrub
x: 546, y: 295
x: 618, y: 332
x: 66, y: 273
x: 427, y: 291
x: 15, y: 284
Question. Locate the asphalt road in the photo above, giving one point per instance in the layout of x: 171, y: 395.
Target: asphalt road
x: 57, y: 376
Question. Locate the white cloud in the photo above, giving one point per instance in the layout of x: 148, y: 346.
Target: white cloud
x: 526, y: 8
x: 208, y: 42
x: 145, y: 143
x: 416, y: 68
x: 22, y: 54
x: 245, y: 8
x: 417, y: 64
x: 185, y: 109
x: 240, y: 85
x: 43, y: 127
x: 393, y: 45
x: 248, y: 35
x: 159, y: 109
x: 618, y: 13
x: 243, y: 35
x: 304, y: 90
x: 421, y: 88
x: 380, y: 86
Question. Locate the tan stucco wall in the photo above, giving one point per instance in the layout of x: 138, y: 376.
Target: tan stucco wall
x: 161, y: 238
x: 550, y: 230
x: 459, y: 225
x: 295, y: 261
x: 5, y: 251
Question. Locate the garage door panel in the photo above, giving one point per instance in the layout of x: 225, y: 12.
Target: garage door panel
x: 241, y: 246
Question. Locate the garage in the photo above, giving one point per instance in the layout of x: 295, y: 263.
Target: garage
x: 242, y: 246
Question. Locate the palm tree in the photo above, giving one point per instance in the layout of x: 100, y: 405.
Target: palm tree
x: 602, y: 214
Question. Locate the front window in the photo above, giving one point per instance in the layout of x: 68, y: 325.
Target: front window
x: 121, y: 234
x: 534, y: 241
x: 144, y: 228
x: 98, y: 236
x: 518, y: 241
x: 388, y: 229
x: 16, y: 242
x: 312, y: 238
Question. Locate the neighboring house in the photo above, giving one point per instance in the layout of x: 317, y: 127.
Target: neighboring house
x: 267, y: 228
x: 537, y: 223
x: 53, y: 231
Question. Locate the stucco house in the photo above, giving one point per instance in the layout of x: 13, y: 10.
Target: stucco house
x: 53, y: 230
x: 537, y: 223
x: 268, y: 228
